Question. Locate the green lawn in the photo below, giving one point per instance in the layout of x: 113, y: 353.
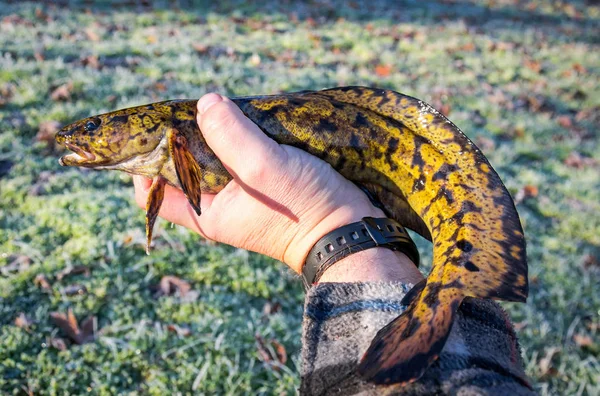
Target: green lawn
x: 521, y: 78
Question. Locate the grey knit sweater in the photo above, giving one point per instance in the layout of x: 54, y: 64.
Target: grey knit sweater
x: 481, y: 356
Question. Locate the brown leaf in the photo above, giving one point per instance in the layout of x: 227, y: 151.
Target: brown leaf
x: 468, y: 47
x: 68, y: 324
x: 76, y: 270
x: 271, y: 308
x: 152, y: 39
x: 91, y: 61
x: 565, y: 121
x: 16, y: 263
x: 528, y: 191
x: 73, y: 290
x: 23, y: 322
x: 42, y: 281
x: 181, y: 331
x: 63, y: 92
x: 200, y: 48
x: 383, y: 70
x: 7, y: 91
x: 171, y: 285
x: 583, y: 340
x: 590, y: 261
x: 91, y: 34
x: 545, y: 364
x: 575, y: 160
x: 58, y: 343
x: 272, y: 352
x: 579, y: 69
x: 532, y: 65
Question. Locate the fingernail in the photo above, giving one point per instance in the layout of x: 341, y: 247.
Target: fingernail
x: 207, y: 101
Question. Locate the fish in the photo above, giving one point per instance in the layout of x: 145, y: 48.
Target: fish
x: 422, y: 169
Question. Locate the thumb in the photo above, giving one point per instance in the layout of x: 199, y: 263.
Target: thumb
x: 241, y: 146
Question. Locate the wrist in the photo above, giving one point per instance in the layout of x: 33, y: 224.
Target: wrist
x: 295, y: 255
x: 377, y: 264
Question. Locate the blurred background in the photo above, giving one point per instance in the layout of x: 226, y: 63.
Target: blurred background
x: 84, y: 310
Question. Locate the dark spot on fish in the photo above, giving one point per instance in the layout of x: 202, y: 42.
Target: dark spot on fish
x: 417, y: 159
x: 431, y: 299
x: 471, y: 267
x: 120, y: 119
x: 360, y: 121
x: 144, y: 141
x: 392, y: 148
x: 419, y: 184
x: 444, y: 171
x: 326, y: 125
x: 464, y: 245
x: 411, y: 328
x: 354, y: 142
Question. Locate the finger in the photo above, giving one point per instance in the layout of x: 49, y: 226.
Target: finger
x: 240, y: 145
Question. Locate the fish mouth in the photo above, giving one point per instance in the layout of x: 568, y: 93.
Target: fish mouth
x: 79, y: 156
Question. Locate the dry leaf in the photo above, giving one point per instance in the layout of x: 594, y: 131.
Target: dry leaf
x: 73, y: 290
x: 565, y: 121
x: 16, y: 263
x: 272, y: 352
x: 579, y: 69
x: 58, y: 343
x: 575, y: 160
x: 179, y: 330
x: 171, y: 285
x: 383, y: 70
x: 91, y: 35
x: 534, y: 66
x: 545, y: 364
x: 63, y: 92
x: 76, y: 270
x: 200, y: 48
x: 152, y: 39
x: 47, y: 131
x: 583, y: 340
x: 68, y: 324
x: 23, y: 322
x: 528, y: 191
x: 42, y: 281
x: 271, y: 308
x: 91, y: 61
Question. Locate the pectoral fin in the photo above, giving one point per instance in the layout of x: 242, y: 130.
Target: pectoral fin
x: 155, y: 199
x: 187, y: 168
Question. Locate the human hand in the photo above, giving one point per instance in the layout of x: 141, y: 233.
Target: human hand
x: 281, y: 200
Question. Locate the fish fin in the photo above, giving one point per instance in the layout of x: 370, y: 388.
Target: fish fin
x: 402, y: 351
x: 413, y: 293
x: 187, y: 168
x: 153, y: 204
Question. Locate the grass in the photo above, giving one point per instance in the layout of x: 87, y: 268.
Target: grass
x: 520, y: 78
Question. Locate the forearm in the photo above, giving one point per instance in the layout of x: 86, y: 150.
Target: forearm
x: 481, y: 354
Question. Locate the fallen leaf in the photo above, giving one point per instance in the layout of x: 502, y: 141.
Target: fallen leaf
x: 583, y: 340
x: 68, y: 324
x: 179, y: 330
x: 271, y: 308
x: 152, y: 39
x: 383, y: 70
x: 575, y: 160
x: 272, y: 352
x: 23, y: 322
x: 545, y: 364
x: 532, y: 65
x: 57, y: 343
x: 200, y: 48
x: 528, y: 191
x: 171, y: 285
x: 91, y: 61
x: 579, y: 68
x: 73, y: 290
x: 62, y: 93
x: 73, y: 270
x: 468, y: 47
x: 15, y: 263
x: 565, y: 121
x: 42, y: 281
x: 91, y: 34
x: 591, y: 261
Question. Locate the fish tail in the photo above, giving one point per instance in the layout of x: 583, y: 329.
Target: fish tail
x: 402, y: 351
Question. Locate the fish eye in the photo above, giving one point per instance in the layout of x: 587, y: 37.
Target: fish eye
x: 91, y: 126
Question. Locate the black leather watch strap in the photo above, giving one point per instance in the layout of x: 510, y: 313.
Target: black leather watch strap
x: 368, y: 233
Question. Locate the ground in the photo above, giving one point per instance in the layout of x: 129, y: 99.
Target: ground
x: 520, y: 78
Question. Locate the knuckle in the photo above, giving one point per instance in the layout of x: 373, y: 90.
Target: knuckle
x: 218, y: 119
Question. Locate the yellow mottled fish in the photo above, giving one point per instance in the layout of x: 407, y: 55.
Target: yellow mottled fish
x: 426, y: 173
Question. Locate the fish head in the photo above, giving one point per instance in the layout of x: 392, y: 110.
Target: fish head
x: 110, y: 139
